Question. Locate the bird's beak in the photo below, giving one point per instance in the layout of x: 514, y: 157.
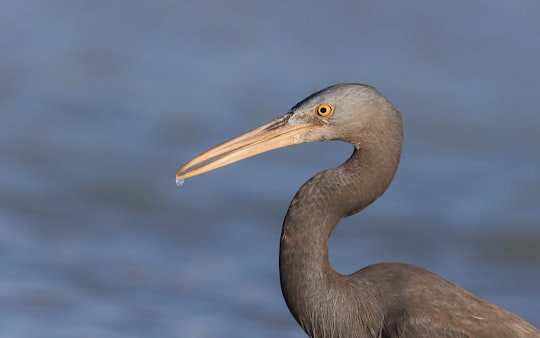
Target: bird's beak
x: 276, y: 134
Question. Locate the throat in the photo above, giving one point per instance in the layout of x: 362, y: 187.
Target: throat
x: 308, y: 281
x: 304, y: 251
x: 306, y: 275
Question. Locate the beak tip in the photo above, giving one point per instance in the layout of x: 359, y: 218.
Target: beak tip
x: 179, y: 179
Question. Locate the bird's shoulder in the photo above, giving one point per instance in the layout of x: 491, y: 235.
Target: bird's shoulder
x: 419, y: 303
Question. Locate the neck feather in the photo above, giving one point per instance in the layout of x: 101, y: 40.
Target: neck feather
x: 312, y: 289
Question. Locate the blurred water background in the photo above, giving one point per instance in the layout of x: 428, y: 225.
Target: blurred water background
x: 101, y: 101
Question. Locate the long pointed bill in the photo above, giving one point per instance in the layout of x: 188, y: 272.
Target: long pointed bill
x: 273, y: 135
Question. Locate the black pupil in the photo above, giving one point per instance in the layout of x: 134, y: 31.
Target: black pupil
x: 323, y: 110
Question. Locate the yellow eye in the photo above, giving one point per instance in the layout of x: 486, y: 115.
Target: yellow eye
x: 324, y: 110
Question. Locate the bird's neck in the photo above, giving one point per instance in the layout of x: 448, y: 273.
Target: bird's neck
x: 309, y: 284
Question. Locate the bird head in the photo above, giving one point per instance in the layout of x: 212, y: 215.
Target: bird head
x: 347, y: 112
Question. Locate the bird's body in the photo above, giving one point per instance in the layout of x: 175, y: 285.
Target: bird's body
x: 382, y: 300
x: 401, y: 300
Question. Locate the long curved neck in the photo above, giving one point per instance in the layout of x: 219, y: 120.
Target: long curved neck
x: 310, y: 286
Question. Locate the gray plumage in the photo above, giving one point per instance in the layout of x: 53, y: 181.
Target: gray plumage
x: 382, y: 300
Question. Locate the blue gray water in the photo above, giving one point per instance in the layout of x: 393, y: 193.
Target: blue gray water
x: 101, y: 102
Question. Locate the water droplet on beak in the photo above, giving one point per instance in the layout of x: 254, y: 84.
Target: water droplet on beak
x: 179, y: 181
